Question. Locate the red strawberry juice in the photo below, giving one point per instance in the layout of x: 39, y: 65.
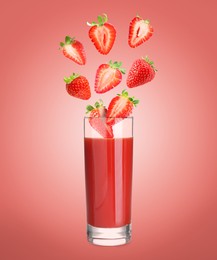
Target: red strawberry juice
x: 108, y: 169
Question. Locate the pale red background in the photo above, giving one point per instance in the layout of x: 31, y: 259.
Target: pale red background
x: 42, y: 190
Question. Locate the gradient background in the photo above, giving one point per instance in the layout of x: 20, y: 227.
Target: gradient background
x: 42, y: 193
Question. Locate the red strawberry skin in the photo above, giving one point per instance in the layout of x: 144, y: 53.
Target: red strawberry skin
x: 97, y: 119
x: 140, y: 73
x: 139, y: 31
x: 108, y: 76
x: 73, y: 50
x: 102, y: 34
x: 79, y: 88
x: 103, y: 37
x: 119, y: 108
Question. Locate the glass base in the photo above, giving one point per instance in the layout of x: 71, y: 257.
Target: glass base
x: 109, y: 236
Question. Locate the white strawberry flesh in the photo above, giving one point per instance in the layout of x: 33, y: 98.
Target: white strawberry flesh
x: 71, y: 51
x: 141, y: 29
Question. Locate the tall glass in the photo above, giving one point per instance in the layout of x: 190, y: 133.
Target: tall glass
x: 108, y: 177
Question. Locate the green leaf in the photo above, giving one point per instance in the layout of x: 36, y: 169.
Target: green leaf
x: 71, y: 78
x: 150, y: 62
x: 117, y: 65
x: 62, y: 44
x: 89, y: 108
x: 123, y: 71
x: 124, y: 93
x: 100, y: 20
x: 97, y: 104
x: 68, y: 39
x: 135, y: 102
x: 67, y: 80
x: 74, y: 76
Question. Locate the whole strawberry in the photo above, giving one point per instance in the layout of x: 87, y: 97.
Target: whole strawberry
x: 102, y: 34
x: 120, y: 107
x: 78, y: 86
x: 108, y: 76
x: 73, y: 50
x: 141, y: 72
x: 97, y: 119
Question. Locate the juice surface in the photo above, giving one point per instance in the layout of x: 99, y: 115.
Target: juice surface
x: 108, y: 174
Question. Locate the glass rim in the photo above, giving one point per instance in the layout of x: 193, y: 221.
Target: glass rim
x: 118, y: 123
x: 129, y: 117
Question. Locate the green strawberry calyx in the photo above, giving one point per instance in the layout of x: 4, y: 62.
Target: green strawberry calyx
x: 125, y: 94
x: 69, y: 79
x: 147, y: 21
x: 97, y: 105
x: 68, y: 41
x: 150, y: 62
x: 102, y: 19
x: 117, y: 65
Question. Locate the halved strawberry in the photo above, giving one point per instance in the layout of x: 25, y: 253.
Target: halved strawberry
x: 73, y: 50
x: 108, y: 76
x: 97, y: 119
x: 120, y: 107
x: 78, y: 86
x: 102, y: 34
x: 139, y: 31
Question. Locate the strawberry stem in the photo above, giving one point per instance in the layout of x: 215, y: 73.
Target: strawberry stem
x: 117, y: 65
x: 69, y: 79
x: 124, y: 94
x: 68, y: 40
x: 151, y: 63
x: 102, y: 19
x: 98, y: 104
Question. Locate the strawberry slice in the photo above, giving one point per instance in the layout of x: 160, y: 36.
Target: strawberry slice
x: 97, y: 119
x: 139, y: 31
x: 108, y: 76
x: 73, y: 50
x: 120, y: 107
x: 102, y: 34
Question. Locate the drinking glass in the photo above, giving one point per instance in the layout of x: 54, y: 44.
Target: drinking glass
x: 108, y: 178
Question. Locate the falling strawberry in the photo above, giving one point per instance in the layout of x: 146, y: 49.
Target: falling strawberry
x: 141, y: 72
x: 108, y: 76
x: 139, y: 31
x: 120, y: 107
x: 78, y: 86
x: 102, y: 34
x: 73, y: 50
x: 97, y: 119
